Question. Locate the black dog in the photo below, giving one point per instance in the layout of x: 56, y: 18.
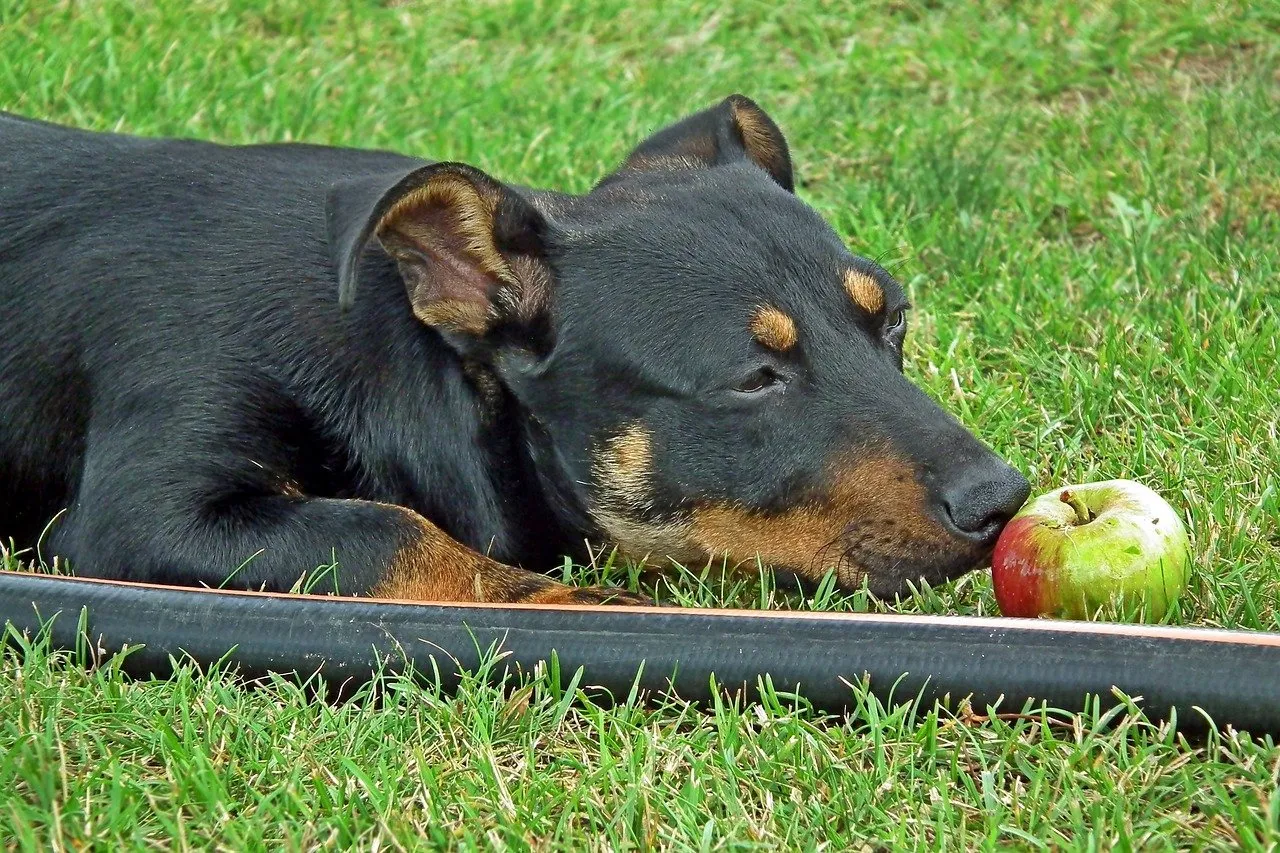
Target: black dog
x: 685, y: 362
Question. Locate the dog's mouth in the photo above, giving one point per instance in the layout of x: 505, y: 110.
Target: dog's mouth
x: 889, y: 562
x: 898, y: 578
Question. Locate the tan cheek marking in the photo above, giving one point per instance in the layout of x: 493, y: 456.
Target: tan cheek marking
x: 864, y: 291
x: 791, y: 539
x: 623, y: 471
x: 808, y: 539
x: 773, y: 329
x: 629, y: 457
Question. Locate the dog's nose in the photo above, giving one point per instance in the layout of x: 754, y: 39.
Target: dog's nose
x: 978, y: 503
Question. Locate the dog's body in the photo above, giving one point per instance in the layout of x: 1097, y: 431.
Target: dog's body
x: 178, y: 380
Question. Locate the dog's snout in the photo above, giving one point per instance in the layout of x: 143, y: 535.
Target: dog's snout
x: 978, y: 503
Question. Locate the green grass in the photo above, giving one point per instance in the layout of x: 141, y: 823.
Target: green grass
x: 1084, y: 203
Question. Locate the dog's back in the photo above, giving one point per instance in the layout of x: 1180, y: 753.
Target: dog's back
x: 46, y: 177
x: 133, y: 270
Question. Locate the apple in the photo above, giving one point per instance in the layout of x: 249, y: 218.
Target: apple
x: 1075, y: 548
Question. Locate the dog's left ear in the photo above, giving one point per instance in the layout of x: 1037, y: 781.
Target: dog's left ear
x: 470, y: 251
x: 734, y: 129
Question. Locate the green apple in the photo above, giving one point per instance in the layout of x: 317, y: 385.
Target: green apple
x: 1075, y: 548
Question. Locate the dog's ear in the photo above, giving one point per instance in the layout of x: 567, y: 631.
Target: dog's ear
x: 734, y: 129
x: 470, y: 250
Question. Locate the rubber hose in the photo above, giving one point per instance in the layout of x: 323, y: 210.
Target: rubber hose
x: 1233, y: 677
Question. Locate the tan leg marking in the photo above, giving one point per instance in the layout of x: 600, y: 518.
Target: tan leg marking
x: 434, y: 567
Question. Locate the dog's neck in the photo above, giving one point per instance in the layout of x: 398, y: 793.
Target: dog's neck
x: 439, y: 434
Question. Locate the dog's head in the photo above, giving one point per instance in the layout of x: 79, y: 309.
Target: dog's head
x: 703, y: 368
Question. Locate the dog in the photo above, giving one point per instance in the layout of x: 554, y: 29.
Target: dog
x: 229, y: 365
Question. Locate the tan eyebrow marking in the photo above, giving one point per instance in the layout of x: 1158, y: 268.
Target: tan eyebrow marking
x: 774, y: 329
x: 865, y: 291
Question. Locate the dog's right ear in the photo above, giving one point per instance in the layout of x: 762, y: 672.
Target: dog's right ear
x: 734, y: 129
x: 470, y: 250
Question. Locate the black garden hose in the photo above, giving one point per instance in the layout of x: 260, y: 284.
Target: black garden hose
x: 1231, y: 676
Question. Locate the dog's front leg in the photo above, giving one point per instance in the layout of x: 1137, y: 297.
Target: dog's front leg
x: 434, y: 567
x: 270, y: 542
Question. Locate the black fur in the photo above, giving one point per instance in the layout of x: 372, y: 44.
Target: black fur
x: 180, y: 386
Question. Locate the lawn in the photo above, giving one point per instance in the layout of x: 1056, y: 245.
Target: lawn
x: 1083, y: 200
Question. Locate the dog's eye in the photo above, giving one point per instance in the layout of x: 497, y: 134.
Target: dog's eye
x: 897, y: 320
x: 757, y: 381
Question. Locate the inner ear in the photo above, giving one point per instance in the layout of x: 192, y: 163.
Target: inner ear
x: 470, y: 251
x: 733, y: 130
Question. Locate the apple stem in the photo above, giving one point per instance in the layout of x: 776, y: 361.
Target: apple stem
x: 1083, y: 516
